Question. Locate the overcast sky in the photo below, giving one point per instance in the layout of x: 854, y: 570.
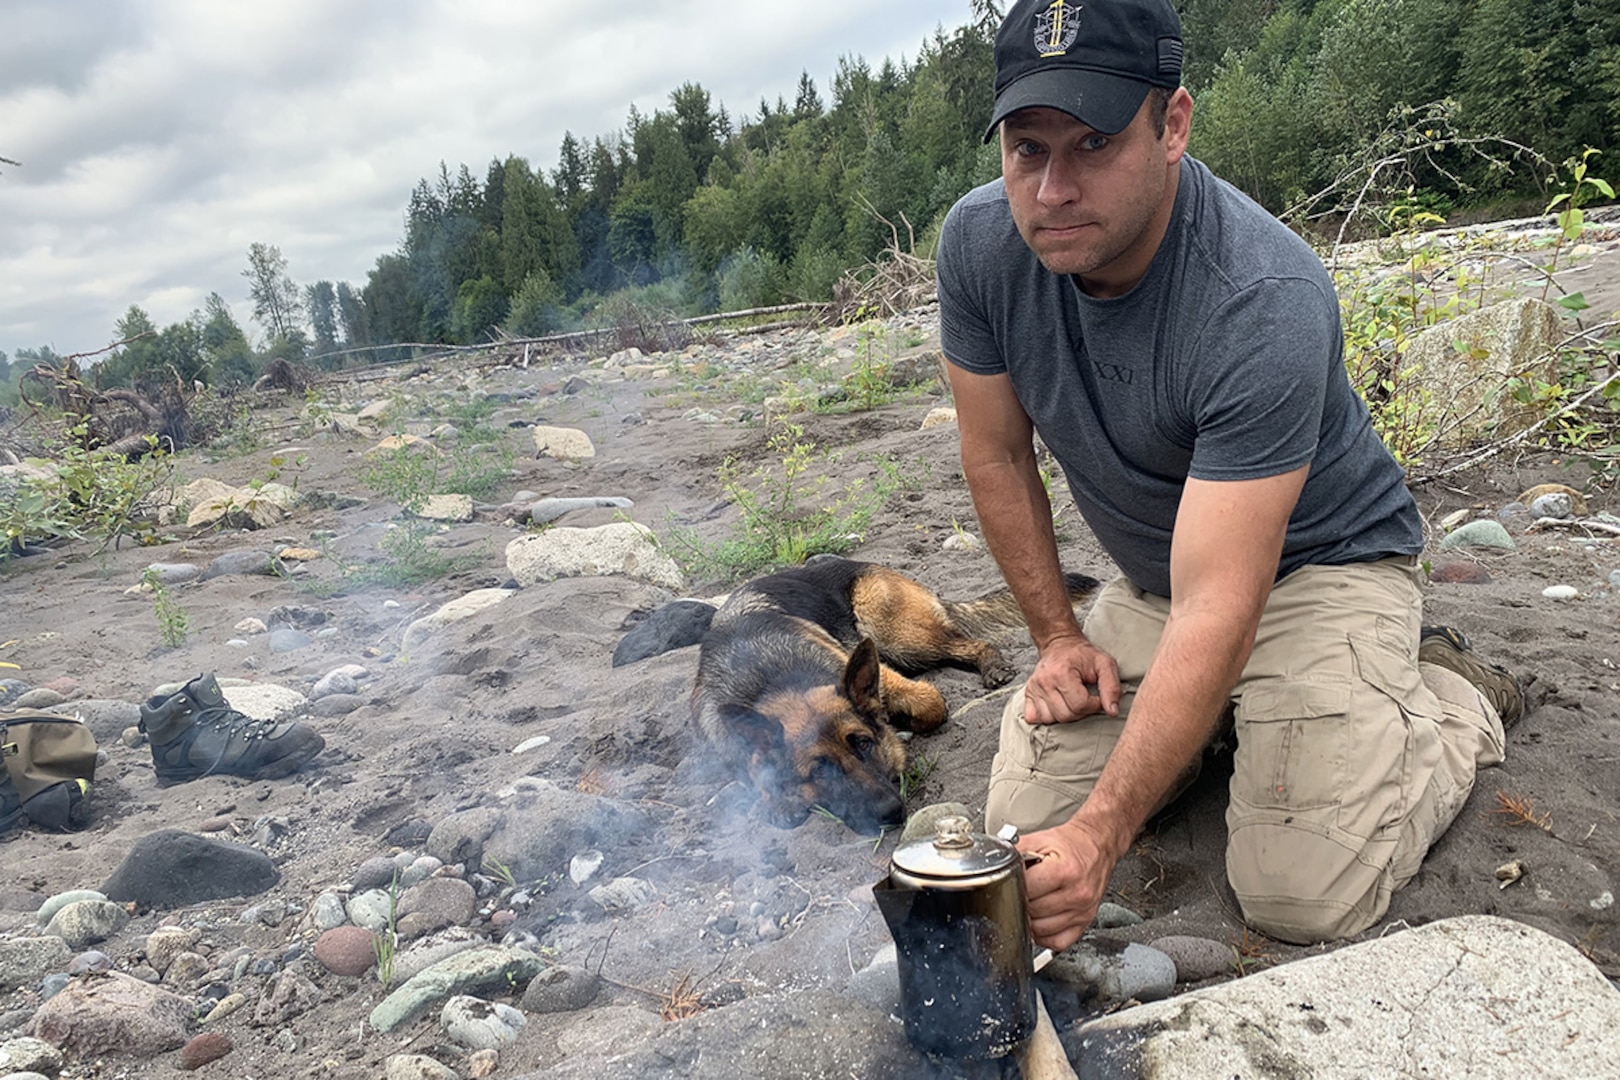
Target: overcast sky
x: 158, y: 139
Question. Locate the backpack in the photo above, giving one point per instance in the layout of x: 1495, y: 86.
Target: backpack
x: 50, y: 761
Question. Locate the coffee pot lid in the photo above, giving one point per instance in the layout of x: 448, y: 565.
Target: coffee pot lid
x: 956, y: 851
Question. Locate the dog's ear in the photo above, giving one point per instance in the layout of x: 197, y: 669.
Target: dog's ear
x: 863, y: 681
x: 753, y: 729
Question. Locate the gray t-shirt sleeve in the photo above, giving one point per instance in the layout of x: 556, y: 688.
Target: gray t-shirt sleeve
x: 1258, y: 379
x: 965, y: 334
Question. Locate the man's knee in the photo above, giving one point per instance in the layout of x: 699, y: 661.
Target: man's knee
x: 1299, y: 885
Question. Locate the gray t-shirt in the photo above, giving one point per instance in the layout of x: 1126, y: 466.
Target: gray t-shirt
x: 1223, y: 363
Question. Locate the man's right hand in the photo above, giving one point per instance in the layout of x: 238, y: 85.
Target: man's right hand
x: 1072, y: 679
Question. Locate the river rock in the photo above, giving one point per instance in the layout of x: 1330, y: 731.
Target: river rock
x: 204, y: 1048
x: 416, y: 1067
x: 47, y: 911
x: 1460, y: 573
x: 1195, y: 957
x: 478, y: 1024
x: 435, y: 904
x: 334, y: 682
x: 41, y: 697
x: 623, y: 894
x: 1479, y: 534
x: 1577, y: 501
x: 291, y: 995
x: 29, y: 1055
x: 1111, y: 916
x: 563, y: 988
x: 233, y: 563
x: 548, y: 510
x: 454, y: 508
x: 377, y: 872
x: 87, y: 922
x: 327, y: 912
x: 1560, y: 592
x: 673, y: 626
x: 568, y: 444
x: 24, y: 961
x: 371, y: 909
x: 347, y: 950
x: 113, y: 1014
x: 187, y: 970
x: 171, y: 869
x: 488, y: 967
x: 165, y: 943
x: 1103, y: 971
x: 462, y: 607
x: 623, y: 547
x: 1554, y: 504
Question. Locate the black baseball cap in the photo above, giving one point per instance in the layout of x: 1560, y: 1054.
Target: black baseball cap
x: 1093, y: 60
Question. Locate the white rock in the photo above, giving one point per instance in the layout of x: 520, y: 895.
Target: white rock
x: 460, y: 608
x: 566, y: 443
x: 938, y: 417
x: 531, y: 744
x: 622, y: 894
x: 478, y: 1024
x: 1472, y: 996
x: 369, y: 909
x: 622, y: 547
x: 447, y: 508
x: 250, y: 625
x: 1560, y: 592
x: 265, y: 701
x: 583, y: 866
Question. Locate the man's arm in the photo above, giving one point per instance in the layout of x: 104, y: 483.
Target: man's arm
x: 998, y: 459
x: 1223, y: 559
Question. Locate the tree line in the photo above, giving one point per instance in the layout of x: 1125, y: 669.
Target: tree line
x: 690, y: 210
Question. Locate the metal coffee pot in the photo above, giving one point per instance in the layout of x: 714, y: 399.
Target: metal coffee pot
x: 955, y: 906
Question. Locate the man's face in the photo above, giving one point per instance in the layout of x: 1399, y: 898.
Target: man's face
x: 1092, y: 204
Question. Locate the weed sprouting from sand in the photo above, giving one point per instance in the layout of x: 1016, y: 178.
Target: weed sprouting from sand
x: 790, y: 509
x: 499, y: 871
x: 171, y: 618
x: 917, y: 771
x: 385, y: 944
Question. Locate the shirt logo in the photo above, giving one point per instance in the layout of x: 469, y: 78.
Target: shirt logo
x: 1056, y: 28
x: 1114, y: 372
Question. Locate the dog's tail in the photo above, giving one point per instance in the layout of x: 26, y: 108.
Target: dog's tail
x: 999, y: 610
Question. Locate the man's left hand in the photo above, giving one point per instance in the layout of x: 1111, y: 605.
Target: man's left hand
x: 1066, y: 886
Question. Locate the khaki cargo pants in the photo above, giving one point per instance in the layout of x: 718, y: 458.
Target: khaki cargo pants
x: 1351, y: 757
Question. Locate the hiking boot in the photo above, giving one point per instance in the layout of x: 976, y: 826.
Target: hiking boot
x: 195, y: 732
x: 1447, y: 647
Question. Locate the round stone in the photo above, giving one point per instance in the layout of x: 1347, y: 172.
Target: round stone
x: 347, y: 950
x: 209, y: 1046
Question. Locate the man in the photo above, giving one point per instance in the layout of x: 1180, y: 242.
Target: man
x: 1179, y: 352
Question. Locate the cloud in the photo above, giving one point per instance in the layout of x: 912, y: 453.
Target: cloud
x: 159, y: 139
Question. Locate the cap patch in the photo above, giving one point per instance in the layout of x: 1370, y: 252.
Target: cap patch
x: 1056, y: 28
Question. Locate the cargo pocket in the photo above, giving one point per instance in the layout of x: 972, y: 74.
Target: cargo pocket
x: 1402, y: 726
x: 1293, y: 744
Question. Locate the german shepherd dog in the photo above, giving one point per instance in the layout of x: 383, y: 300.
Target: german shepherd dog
x: 803, y: 678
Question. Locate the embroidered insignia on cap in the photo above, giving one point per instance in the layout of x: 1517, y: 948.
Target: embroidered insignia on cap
x: 1056, y: 28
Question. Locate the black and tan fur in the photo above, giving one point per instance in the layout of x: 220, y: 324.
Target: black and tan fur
x: 803, y: 678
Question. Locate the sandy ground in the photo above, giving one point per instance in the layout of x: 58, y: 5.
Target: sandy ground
x: 436, y: 734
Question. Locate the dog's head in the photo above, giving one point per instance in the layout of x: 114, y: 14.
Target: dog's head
x: 829, y: 746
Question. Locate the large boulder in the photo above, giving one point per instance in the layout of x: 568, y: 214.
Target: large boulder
x: 1514, y: 337
x: 1471, y: 996
x: 113, y: 1014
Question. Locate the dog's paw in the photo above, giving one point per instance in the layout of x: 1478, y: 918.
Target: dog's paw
x: 995, y: 671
